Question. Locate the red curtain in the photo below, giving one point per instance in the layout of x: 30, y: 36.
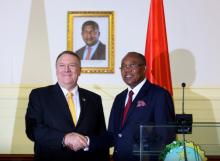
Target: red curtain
x: 156, y: 49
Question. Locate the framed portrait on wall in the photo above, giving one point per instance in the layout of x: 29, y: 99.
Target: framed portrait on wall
x: 90, y: 34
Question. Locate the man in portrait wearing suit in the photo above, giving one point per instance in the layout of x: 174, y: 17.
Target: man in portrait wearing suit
x: 94, y: 49
x: 59, y: 117
x: 142, y: 103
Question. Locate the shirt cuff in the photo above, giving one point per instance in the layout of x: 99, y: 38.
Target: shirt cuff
x: 88, y: 142
x: 63, y: 143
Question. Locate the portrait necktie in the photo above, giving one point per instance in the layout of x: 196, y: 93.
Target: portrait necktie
x: 71, y: 106
x: 88, y: 53
x: 127, y: 106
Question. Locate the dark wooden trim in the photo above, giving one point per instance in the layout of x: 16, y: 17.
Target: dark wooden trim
x: 16, y: 157
x: 29, y: 157
x: 213, y: 158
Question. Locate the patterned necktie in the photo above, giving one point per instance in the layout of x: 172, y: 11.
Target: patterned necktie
x: 127, y: 106
x: 88, y: 53
x: 71, y: 106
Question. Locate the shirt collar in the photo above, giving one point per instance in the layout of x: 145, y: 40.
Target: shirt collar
x: 93, y: 46
x: 74, y: 90
x: 138, y: 87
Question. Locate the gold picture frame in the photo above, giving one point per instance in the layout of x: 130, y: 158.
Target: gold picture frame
x: 76, y: 42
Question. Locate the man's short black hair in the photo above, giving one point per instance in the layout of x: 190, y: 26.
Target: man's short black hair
x: 90, y: 23
x: 139, y: 55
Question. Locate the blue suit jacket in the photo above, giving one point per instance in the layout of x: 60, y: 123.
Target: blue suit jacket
x: 152, y: 106
x: 48, y: 119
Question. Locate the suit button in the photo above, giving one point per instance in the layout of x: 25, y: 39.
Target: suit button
x: 119, y: 135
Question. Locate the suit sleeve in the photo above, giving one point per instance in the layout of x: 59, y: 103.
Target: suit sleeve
x: 164, y: 109
x: 102, y: 126
x: 36, y: 129
x: 97, y: 143
x: 164, y: 115
x: 106, y: 139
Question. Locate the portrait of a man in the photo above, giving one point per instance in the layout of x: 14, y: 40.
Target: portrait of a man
x: 93, y: 49
x: 90, y: 34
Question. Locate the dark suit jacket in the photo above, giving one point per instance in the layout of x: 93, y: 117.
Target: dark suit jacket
x: 48, y: 119
x: 152, y: 106
x: 100, y: 53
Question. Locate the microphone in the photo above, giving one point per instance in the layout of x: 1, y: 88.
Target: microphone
x: 183, y: 85
x: 186, y: 121
x: 183, y: 119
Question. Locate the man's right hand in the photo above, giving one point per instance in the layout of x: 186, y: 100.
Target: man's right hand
x: 75, y: 141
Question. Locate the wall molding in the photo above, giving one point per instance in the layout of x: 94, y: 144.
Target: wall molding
x: 203, y: 103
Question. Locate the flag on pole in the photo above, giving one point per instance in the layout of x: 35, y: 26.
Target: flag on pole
x: 156, y: 49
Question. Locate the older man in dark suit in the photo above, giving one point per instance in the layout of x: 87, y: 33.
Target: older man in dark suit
x: 142, y: 103
x: 94, y: 48
x: 59, y: 124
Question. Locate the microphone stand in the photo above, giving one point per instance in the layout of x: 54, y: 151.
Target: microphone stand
x: 184, y: 144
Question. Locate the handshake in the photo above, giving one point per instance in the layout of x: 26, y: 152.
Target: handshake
x: 76, y: 141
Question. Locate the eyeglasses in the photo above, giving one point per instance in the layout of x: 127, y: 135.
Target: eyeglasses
x: 130, y: 66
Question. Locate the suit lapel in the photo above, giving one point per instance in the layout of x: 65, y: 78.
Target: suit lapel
x: 61, y: 105
x: 120, y: 111
x: 83, y: 103
x: 142, y: 93
x: 99, y: 52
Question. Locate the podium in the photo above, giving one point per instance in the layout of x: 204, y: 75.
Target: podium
x: 174, y: 142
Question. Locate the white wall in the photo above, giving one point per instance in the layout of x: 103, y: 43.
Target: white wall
x: 192, y: 26
x: 34, y: 32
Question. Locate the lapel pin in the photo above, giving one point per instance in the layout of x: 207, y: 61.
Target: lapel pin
x: 83, y: 99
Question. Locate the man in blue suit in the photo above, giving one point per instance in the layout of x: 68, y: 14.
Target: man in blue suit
x: 149, y: 105
x: 49, y: 122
